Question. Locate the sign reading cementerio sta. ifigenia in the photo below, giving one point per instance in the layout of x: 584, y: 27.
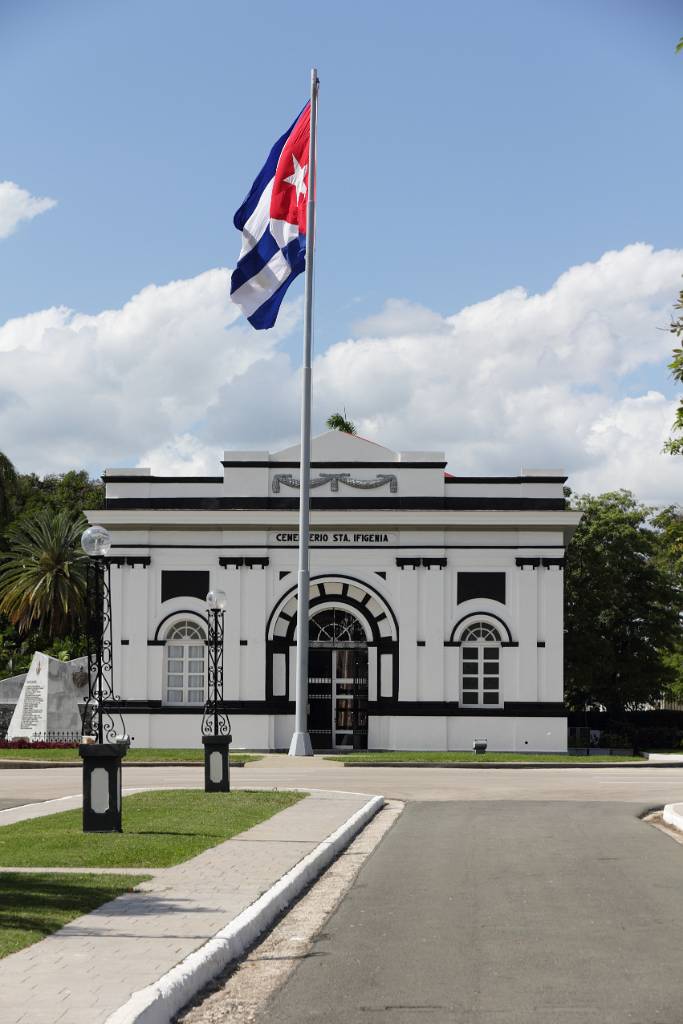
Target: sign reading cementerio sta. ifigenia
x: 336, y: 537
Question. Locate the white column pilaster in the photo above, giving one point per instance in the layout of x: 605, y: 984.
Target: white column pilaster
x: 431, y: 656
x: 136, y: 583
x: 252, y: 684
x: 229, y: 580
x: 408, y: 631
x: 552, y: 583
x: 527, y: 635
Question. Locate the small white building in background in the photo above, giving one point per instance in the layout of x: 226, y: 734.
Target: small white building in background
x: 436, y: 601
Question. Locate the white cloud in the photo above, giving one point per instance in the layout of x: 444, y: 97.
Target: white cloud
x: 573, y: 377
x: 97, y: 390
x: 16, y: 204
x: 183, y: 455
x: 519, y: 379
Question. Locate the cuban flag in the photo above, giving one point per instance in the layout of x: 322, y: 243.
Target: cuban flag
x: 272, y: 220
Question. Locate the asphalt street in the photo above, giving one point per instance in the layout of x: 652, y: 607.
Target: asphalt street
x: 503, y: 913
x: 651, y: 786
x: 499, y: 897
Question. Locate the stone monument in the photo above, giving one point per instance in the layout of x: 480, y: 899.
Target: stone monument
x: 49, y: 699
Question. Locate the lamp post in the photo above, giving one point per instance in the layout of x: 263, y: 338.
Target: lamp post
x: 101, y: 748
x: 216, y: 722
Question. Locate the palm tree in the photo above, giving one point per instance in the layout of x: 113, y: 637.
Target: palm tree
x: 8, y: 485
x: 42, y: 576
x: 338, y: 422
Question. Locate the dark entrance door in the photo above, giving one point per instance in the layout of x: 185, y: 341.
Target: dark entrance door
x: 350, y: 688
x: 337, y: 681
x: 320, y: 698
x: 338, y: 698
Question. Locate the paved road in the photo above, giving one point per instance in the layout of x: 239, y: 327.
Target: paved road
x: 500, y: 897
x: 6, y: 803
x: 649, y: 786
x: 502, y: 913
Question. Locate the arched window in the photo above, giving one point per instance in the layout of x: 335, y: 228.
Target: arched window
x: 333, y: 625
x: 185, y: 663
x: 480, y: 660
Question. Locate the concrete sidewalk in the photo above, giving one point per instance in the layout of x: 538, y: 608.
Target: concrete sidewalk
x: 91, y: 967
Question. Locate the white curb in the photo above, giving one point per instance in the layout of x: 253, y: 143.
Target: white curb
x: 157, y: 1003
x: 673, y: 815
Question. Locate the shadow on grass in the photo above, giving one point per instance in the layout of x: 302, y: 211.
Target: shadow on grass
x: 167, y: 832
x: 33, y: 906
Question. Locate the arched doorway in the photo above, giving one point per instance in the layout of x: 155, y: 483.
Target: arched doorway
x: 346, y: 614
x: 337, y: 680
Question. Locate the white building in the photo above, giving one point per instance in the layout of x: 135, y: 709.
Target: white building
x: 436, y: 600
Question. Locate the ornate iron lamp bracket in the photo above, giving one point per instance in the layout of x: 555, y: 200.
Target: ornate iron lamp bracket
x: 215, y: 721
x: 100, y: 709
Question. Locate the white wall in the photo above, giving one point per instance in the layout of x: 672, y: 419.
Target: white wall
x: 459, y: 732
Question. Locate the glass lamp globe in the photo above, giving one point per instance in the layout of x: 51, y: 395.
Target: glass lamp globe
x: 216, y: 600
x: 96, y: 541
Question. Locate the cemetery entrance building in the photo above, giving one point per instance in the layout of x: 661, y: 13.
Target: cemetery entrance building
x: 436, y: 600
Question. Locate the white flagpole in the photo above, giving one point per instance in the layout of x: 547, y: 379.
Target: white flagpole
x: 301, y: 741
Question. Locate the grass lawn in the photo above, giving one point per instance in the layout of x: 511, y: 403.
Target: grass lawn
x: 442, y: 756
x: 134, y: 754
x: 160, y: 829
x: 33, y: 906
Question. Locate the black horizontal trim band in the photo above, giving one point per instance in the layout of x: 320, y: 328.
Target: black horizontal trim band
x: 265, y: 464
x: 506, y: 479
x: 341, y: 547
x: 432, y: 504
x: 401, y: 708
x: 418, y: 708
x: 123, y: 479
x: 245, y: 707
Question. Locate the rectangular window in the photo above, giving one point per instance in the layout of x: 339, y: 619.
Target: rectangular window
x: 480, y: 676
x: 185, y: 673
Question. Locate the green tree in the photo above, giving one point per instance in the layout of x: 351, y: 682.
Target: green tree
x: 8, y: 487
x: 70, y: 492
x: 337, y: 421
x: 42, y: 576
x: 669, y: 523
x: 674, y: 446
x: 623, y: 606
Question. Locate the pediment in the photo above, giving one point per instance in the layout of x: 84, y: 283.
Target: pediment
x: 337, y: 447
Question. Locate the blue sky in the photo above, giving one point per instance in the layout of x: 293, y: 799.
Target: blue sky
x: 465, y: 148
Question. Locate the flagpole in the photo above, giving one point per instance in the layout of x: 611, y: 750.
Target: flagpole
x: 301, y: 741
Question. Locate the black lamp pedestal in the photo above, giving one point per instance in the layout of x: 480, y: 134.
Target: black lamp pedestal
x: 102, y: 786
x: 217, y: 763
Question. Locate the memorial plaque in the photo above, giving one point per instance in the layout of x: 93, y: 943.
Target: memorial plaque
x: 35, y: 706
x: 48, y: 702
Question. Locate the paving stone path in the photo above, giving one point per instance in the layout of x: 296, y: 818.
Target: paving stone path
x: 89, y: 968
